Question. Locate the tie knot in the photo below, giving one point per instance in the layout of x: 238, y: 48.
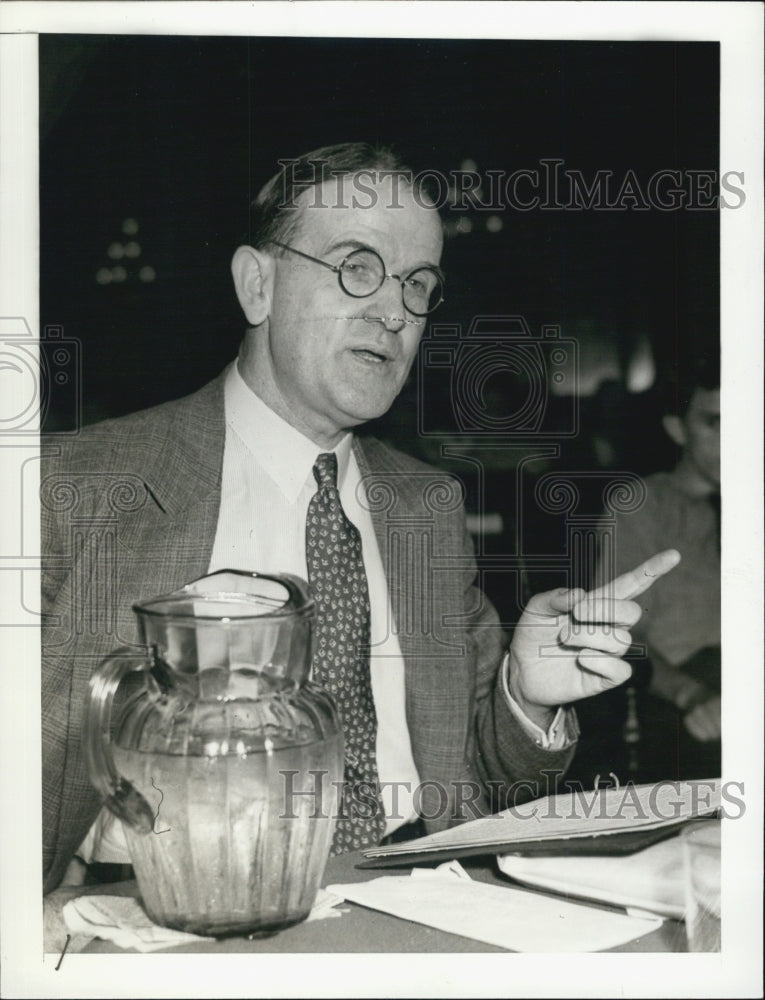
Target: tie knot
x: 325, y: 469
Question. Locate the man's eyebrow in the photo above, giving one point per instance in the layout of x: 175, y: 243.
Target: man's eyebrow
x: 349, y: 245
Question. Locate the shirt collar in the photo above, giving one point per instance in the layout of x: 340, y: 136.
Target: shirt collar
x: 285, y: 454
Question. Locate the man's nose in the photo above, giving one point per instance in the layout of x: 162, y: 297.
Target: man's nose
x: 387, y: 305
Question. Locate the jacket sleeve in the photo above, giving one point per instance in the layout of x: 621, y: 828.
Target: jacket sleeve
x: 511, y: 765
x: 69, y: 802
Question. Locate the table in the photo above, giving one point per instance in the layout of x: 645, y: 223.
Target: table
x: 365, y: 930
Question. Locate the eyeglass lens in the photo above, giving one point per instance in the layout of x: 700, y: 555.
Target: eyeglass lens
x: 363, y: 272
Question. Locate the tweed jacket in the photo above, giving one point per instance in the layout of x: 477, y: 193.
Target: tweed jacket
x: 130, y: 510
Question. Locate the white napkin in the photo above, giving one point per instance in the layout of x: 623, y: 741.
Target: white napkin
x: 123, y: 920
x: 120, y: 919
x: 448, y: 899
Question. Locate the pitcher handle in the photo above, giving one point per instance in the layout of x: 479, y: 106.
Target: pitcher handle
x: 125, y: 801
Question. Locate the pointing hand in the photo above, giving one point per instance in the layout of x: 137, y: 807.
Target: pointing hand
x: 569, y: 644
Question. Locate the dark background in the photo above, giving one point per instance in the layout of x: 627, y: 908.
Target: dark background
x: 179, y: 133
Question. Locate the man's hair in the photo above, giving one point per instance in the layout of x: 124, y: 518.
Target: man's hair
x: 275, y: 212
x: 701, y: 371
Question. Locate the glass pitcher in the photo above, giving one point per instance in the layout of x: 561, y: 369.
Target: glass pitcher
x: 224, y: 761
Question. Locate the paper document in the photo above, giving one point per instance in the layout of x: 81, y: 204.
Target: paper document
x: 651, y: 879
x: 505, y: 917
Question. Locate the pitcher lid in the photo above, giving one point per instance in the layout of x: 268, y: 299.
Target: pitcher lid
x: 230, y: 593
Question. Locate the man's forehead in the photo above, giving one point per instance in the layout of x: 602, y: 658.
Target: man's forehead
x: 377, y: 203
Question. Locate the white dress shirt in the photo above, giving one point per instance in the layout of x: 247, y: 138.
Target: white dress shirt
x: 267, y: 485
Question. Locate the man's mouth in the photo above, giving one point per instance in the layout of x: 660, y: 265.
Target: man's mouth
x: 371, y: 355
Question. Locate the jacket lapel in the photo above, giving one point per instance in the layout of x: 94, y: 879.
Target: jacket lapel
x: 411, y: 533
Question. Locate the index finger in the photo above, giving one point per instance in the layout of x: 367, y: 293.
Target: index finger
x: 635, y: 581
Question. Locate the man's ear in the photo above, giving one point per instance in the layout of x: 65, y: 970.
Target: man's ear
x: 253, y: 273
x: 675, y: 428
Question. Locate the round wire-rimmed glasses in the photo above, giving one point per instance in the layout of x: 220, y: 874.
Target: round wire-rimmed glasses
x: 363, y: 272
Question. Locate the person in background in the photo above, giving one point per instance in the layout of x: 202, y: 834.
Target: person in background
x: 679, y: 705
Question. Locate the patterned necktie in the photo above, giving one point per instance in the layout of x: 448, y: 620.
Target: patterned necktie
x: 341, y: 659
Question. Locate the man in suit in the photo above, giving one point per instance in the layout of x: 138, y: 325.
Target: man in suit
x: 336, y: 285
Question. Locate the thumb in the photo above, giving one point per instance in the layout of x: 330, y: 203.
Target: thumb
x: 556, y: 602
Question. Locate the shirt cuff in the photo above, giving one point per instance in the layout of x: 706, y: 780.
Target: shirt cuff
x: 555, y: 738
